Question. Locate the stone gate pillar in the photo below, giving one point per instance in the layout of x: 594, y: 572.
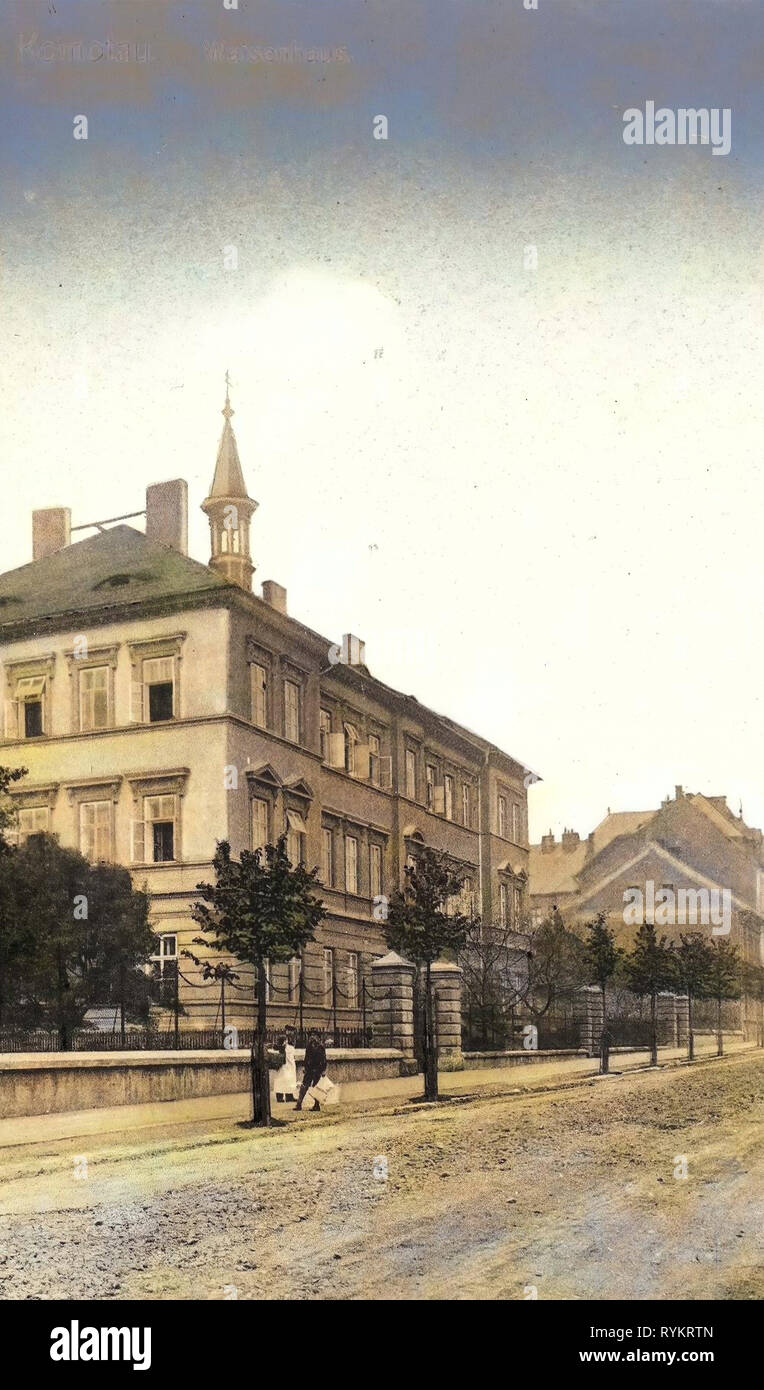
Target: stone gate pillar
x: 588, y: 1013
x: 682, y: 1019
x: 393, y: 1005
x: 666, y: 1018
x: 447, y: 989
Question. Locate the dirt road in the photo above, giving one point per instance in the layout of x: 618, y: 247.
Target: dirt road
x: 568, y: 1195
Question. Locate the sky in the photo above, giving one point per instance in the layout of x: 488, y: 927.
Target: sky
x: 497, y: 377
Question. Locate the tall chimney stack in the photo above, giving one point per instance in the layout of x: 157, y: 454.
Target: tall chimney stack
x: 51, y: 531
x: 167, y: 514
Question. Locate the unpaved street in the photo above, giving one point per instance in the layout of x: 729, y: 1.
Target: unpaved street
x: 571, y: 1194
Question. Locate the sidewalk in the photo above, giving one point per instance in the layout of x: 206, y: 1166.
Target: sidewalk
x: 358, y: 1097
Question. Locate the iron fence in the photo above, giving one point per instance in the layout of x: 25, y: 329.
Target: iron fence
x: 184, y: 1040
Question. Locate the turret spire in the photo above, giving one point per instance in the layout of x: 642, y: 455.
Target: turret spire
x: 230, y: 508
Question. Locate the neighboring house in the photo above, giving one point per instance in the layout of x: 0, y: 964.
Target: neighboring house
x: 159, y: 706
x: 693, y: 847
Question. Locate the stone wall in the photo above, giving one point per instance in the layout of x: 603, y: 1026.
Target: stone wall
x: 50, y: 1083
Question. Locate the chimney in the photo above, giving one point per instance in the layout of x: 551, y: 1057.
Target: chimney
x: 547, y: 843
x: 678, y: 793
x: 353, y: 650
x: 167, y: 514
x: 51, y: 531
x: 275, y: 595
x: 570, y: 838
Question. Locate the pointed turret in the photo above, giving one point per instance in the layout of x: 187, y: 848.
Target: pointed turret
x: 230, y: 509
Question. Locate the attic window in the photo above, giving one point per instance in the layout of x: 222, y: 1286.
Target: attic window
x: 118, y: 581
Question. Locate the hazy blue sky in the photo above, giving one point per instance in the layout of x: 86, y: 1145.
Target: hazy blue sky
x: 541, y: 506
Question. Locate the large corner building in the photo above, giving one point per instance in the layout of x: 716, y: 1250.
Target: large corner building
x: 160, y: 705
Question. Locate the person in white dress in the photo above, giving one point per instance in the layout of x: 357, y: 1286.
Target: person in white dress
x: 285, y: 1079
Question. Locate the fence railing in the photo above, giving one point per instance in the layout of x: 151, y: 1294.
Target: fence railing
x: 184, y: 1040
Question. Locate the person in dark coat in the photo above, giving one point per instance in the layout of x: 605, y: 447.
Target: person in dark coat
x: 313, y: 1068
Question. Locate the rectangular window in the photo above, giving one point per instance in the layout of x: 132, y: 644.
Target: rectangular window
x: 503, y: 904
x: 466, y: 897
x: 292, y: 711
x: 325, y: 729
x: 430, y: 772
x: 260, y: 819
x: 32, y: 820
x: 94, y: 698
x: 30, y: 693
x: 448, y: 789
x: 352, y: 980
x: 159, y: 689
x: 328, y: 974
x: 165, y: 960
x: 32, y: 718
x: 502, y: 827
x: 411, y: 774
x: 259, y: 678
x: 25, y: 713
x: 375, y: 871
x: 351, y: 739
x: 374, y: 751
x: 351, y: 864
x: 466, y: 805
x: 327, y: 857
x: 517, y: 906
x: 295, y: 842
x: 159, y: 813
x: 517, y: 822
x: 95, y: 830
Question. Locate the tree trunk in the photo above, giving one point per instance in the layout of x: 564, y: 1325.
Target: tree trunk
x: 430, y: 1051
x: 690, y: 1034
x: 261, y: 1081
x: 719, y: 1033
x: 654, y: 1029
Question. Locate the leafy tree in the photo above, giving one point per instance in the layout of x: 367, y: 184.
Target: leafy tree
x: 8, y: 775
x: 421, y: 927
x: 723, y: 982
x: 117, y: 941
x: 650, y: 968
x: 259, y: 908
x: 693, y: 964
x: 74, y: 934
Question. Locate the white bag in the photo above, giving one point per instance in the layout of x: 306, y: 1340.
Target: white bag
x: 326, y: 1092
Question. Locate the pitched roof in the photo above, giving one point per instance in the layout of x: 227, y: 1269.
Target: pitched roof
x: 619, y: 823
x: 118, y: 567
x: 724, y: 820
x: 555, y: 871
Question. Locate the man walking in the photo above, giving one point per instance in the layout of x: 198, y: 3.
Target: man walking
x: 314, y: 1067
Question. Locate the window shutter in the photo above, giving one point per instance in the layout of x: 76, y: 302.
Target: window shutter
x: 136, y: 702
x: 138, y: 851
x: 362, y: 764
x: 386, y: 773
x: 336, y: 750
x: 11, y: 719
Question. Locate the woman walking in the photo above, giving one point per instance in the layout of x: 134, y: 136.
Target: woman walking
x: 285, y: 1079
